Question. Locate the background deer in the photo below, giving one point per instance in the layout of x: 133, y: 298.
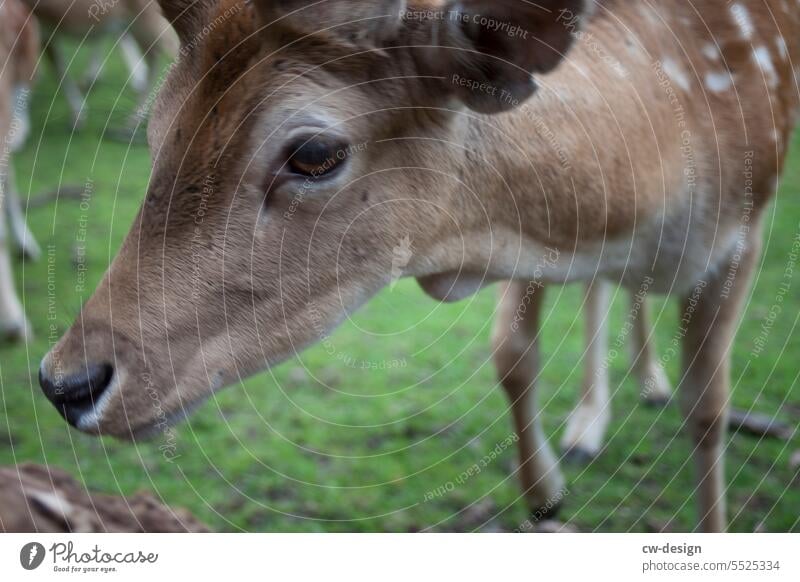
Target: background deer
x: 36, y: 498
x: 19, y: 47
x: 136, y: 24
x: 294, y: 146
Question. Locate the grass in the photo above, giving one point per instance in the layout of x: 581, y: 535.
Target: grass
x: 320, y: 444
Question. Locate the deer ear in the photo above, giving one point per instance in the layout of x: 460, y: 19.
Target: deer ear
x: 367, y: 24
x: 488, y: 50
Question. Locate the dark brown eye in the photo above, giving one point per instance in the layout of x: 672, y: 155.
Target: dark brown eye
x: 316, y: 158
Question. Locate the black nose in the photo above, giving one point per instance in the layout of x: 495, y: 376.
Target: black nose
x: 76, y: 395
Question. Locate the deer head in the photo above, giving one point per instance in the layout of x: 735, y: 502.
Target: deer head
x: 295, y: 146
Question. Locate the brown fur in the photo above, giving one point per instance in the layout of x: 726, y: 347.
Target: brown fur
x: 20, y: 37
x: 221, y: 275
x: 35, y: 498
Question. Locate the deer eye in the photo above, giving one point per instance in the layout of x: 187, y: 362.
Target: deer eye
x: 317, y: 157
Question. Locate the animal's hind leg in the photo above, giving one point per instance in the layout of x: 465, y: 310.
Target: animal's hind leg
x: 152, y: 37
x: 653, y: 382
x: 137, y: 120
x: 515, y: 341
x: 68, y: 85
x: 95, y: 68
x: 139, y: 71
x: 586, y: 427
x: 13, y: 325
x: 19, y: 227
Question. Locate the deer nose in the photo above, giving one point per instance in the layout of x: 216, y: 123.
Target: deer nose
x: 75, y: 395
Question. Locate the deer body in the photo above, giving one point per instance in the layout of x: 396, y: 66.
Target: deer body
x: 143, y: 36
x: 626, y: 210
x: 84, y: 16
x: 293, y: 156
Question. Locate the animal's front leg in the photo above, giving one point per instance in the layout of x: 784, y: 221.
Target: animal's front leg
x: 150, y: 40
x: 710, y: 315
x: 94, y: 69
x: 586, y: 427
x: 16, y: 217
x: 515, y: 346
x: 13, y: 325
x: 140, y: 73
x: 75, y: 100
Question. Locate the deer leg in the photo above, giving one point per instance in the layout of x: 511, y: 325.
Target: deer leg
x: 145, y: 101
x: 654, y: 384
x: 13, y: 325
x: 515, y: 341
x: 19, y: 227
x: 139, y: 69
x: 586, y: 427
x: 151, y: 39
x: 130, y: 131
x: 22, y: 118
x: 94, y: 69
x: 74, y: 97
x: 710, y: 316
x: 148, y: 65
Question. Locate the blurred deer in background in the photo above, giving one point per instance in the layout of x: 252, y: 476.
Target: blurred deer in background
x: 19, y: 51
x: 141, y: 32
x: 315, y: 137
x: 37, y: 498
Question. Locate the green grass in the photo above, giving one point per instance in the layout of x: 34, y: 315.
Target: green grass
x: 317, y: 445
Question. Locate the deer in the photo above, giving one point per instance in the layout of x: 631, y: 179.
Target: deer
x: 297, y: 143
x: 42, y: 498
x: 19, y: 46
x: 141, y: 34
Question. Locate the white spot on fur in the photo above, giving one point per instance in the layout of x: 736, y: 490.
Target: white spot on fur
x: 675, y: 72
x: 652, y: 16
x: 711, y: 51
x: 764, y: 60
x: 782, y: 48
x: 583, y: 72
x: 777, y: 138
x: 742, y: 18
x: 719, y: 82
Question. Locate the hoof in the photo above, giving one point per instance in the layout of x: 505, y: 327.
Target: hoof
x: 11, y: 333
x: 30, y: 253
x: 656, y: 401
x: 554, y: 527
x: 579, y: 457
x: 545, y: 513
